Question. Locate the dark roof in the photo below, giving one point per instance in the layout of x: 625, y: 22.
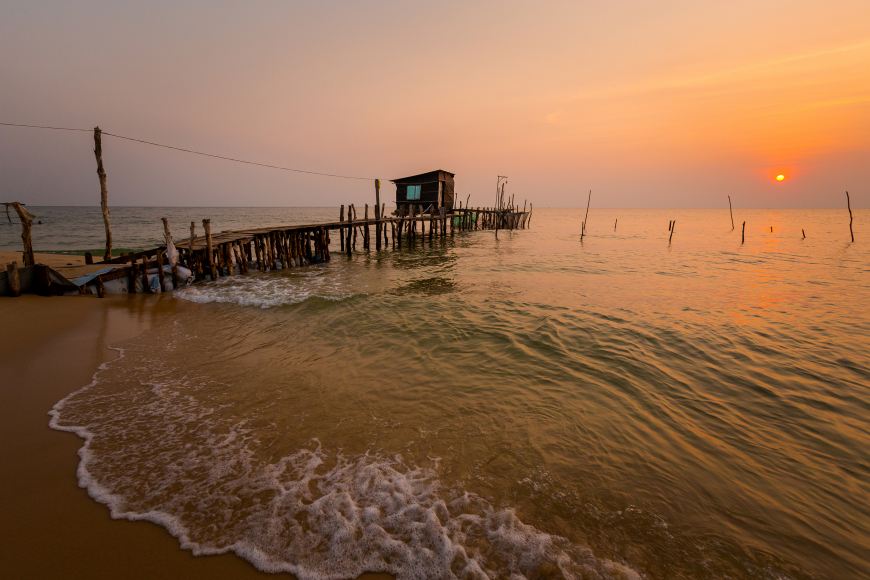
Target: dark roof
x: 429, y: 176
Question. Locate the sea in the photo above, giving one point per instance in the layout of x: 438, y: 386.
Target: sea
x: 627, y: 403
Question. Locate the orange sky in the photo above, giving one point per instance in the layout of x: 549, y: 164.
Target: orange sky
x: 650, y: 104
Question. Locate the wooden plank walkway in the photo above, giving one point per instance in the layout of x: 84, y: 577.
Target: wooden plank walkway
x: 227, y: 253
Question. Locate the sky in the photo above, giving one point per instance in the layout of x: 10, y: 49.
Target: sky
x: 667, y: 103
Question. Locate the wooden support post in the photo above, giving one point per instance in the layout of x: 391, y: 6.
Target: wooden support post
x: 174, y: 265
x: 7, y: 212
x: 134, y: 276
x: 366, y: 240
x: 803, y: 234
x: 614, y: 224
x: 101, y: 290
x: 160, y: 275
x: 672, y: 233
x: 104, y: 195
x: 731, y: 211
x: 849, y: 205
x: 377, y: 227
x: 26, y: 220
x: 209, y: 250
x: 145, y: 284
x: 341, y: 230
x: 743, y: 235
x: 12, y: 278
x: 349, y: 230
x: 190, y: 255
x: 89, y: 258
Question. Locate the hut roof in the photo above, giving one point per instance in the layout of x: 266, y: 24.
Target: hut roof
x: 423, y: 177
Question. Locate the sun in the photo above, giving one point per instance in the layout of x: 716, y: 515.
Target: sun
x: 780, y: 177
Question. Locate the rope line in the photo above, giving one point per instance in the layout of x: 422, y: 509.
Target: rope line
x: 194, y: 152
x: 236, y: 160
x: 44, y: 127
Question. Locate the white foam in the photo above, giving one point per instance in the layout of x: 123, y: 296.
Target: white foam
x: 264, y: 292
x: 154, y: 452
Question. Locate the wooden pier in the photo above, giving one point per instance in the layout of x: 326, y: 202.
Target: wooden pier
x: 214, y: 255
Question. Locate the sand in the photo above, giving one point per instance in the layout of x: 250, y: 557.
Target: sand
x: 51, y: 528
x: 68, y: 266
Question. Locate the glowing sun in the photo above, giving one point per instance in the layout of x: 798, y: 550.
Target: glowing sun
x: 780, y: 177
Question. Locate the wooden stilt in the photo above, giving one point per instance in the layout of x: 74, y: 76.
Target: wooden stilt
x: 731, y: 211
x: 206, y: 226
x: 743, y: 235
x: 341, y: 231
x: 160, y: 276
x: 174, y: 265
x: 849, y: 205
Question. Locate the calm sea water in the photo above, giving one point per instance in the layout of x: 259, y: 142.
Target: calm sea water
x: 534, y: 405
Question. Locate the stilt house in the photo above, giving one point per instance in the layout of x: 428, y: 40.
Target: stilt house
x: 433, y: 189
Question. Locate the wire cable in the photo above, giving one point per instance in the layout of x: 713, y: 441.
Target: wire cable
x: 194, y: 152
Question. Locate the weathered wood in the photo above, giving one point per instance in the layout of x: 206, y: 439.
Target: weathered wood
x: 731, y: 211
x: 12, y: 278
x: 190, y: 254
x: 89, y: 258
x: 672, y: 233
x: 26, y: 220
x: 849, y: 205
x: 340, y: 231
x: 614, y: 224
x: 145, y: 285
x: 803, y: 234
x: 104, y: 195
x: 174, y: 265
x: 160, y: 277
x: 101, y: 290
x: 206, y: 226
x: 366, y: 231
x: 743, y: 235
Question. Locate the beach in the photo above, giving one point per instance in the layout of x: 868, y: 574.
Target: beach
x: 50, y: 527
x: 620, y: 405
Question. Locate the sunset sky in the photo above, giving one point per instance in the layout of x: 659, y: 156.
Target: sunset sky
x: 649, y: 104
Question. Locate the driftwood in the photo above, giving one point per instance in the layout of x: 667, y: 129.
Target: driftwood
x: 12, y: 278
x: 26, y: 220
x: 104, y: 195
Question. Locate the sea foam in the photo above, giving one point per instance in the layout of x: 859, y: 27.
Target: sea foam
x: 154, y: 451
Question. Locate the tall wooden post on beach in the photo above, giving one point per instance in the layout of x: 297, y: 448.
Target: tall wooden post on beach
x: 12, y: 278
x: 26, y: 219
x: 104, y: 195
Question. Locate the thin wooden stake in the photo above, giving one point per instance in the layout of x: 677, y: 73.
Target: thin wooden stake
x: 341, y: 230
x: 104, y: 195
x: 743, y: 235
x: 803, y: 233
x: 732, y: 212
x: 672, y: 232
x: 209, y: 251
x: 614, y: 224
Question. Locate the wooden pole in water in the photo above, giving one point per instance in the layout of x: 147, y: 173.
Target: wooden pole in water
x: 347, y: 243
x: 377, y: 215
x: 26, y: 220
x: 731, y: 211
x: 743, y: 235
x: 104, y: 195
x: 614, y: 224
x: 366, y: 240
x: 588, y: 201
x: 209, y: 252
x: 173, y: 264
x: 672, y: 233
x: 341, y: 230
x: 849, y: 205
x: 12, y: 278
x: 803, y: 233
x: 7, y: 214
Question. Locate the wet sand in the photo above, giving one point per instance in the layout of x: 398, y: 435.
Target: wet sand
x: 50, y: 527
x: 69, y: 266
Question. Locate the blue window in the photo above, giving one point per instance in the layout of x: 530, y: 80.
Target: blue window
x: 413, y: 192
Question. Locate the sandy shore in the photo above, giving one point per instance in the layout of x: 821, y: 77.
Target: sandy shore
x: 69, y: 266
x: 51, y: 528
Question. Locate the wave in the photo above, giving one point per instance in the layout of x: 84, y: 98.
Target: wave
x: 155, y: 452
x: 263, y: 292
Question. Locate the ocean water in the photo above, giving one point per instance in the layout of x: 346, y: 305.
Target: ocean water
x: 527, y: 406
